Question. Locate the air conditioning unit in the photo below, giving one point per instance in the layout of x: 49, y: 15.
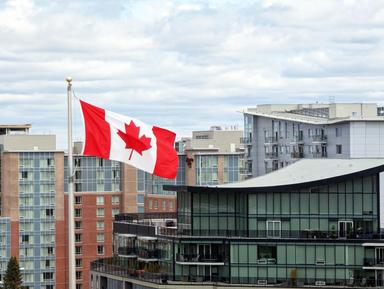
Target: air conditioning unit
x: 262, y: 282
x: 320, y: 262
x: 320, y: 283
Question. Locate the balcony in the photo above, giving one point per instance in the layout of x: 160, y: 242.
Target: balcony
x: 373, y: 262
x: 205, y: 259
x: 130, y: 252
x: 270, y: 140
x: 319, y: 138
x: 145, y: 254
x: 271, y: 155
x: 297, y: 155
x: 319, y: 155
x: 245, y: 171
x: 298, y: 139
x: 246, y: 140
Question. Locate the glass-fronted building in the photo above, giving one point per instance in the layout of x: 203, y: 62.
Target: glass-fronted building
x: 314, y: 223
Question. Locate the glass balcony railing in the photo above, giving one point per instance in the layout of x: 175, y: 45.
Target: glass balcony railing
x: 127, y: 251
x: 319, y: 138
x: 197, y: 258
x: 270, y: 140
x: 271, y: 155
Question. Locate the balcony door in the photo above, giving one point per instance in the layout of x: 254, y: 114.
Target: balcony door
x: 380, y: 256
x: 273, y: 229
x: 345, y: 229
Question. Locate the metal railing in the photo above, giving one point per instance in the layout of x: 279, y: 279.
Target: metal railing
x: 319, y: 138
x: 297, y: 155
x: 271, y: 155
x: 245, y: 140
x: 270, y: 139
x: 318, y: 155
x: 377, y: 262
x: 115, y: 267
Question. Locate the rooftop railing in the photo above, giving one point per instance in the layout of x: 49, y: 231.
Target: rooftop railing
x: 120, y: 268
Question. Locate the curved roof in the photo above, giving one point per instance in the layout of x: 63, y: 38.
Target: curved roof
x: 308, y: 171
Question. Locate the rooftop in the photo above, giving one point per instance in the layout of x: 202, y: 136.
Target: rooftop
x: 310, y: 170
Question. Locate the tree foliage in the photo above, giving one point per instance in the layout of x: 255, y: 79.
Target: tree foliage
x: 12, y: 278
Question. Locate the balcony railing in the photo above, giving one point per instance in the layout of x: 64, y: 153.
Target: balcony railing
x: 245, y: 171
x: 245, y: 140
x: 319, y: 155
x: 270, y: 140
x: 373, y: 262
x: 319, y: 138
x: 298, y: 139
x: 149, y: 254
x: 271, y: 155
x: 115, y: 267
x: 127, y: 251
x: 197, y: 258
x: 297, y: 155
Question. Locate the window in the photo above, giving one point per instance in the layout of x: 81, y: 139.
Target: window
x: 100, y: 225
x: 155, y: 204
x: 78, y: 237
x: 115, y: 200
x: 115, y: 211
x: 164, y: 205
x: 100, y: 200
x: 338, y: 131
x: 24, y: 175
x: 100, y: 237
x: 339, y: 149
x: 77, y: 162
x: 150, y: 204
x: 100, y: 250
x: 78, y: 187
x: 273, y: 229
x: 49, y: 212
x: 47, y: 263
x: 47, y: 275
x: 78, y: 225
x: 79, y: 286
x: 171, y: 205
x: 101, y: 163
x: 79, y: 275
x: 25, y: 239
x: 140, y: 199
x: 100, y: 212
x: 266, y: 252
x: 78, y: 213
x: 78, y: 250
x: 78, y: 200
x: 50, y: 250
x: 79, y: 263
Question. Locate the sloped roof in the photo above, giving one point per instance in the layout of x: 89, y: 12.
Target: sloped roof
x: 309, y: 170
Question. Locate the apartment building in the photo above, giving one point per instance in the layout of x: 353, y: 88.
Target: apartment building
x: 276, y: 135
x: 32, y: 206
x: 313, y: 223
x: 209, y: 157
x: 33, y: 223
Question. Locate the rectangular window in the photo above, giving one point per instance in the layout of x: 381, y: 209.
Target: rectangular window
x: 140, y: 199
x: 115, y: 211
x: 164, y: 205
x: 171, y: 205
x: 49, y: 212
x: 339, y: 149
x: 100, y: 200
x: 100, y: 212
x: 78, y: 200
x: 79, y: 263
x: 79, y: 275
x: 338, y: 131
x: 115, y: 200
x: 78, y: 237
x: 78, y: 225
x: 78, y: 250
x: 78, y: 213
x: 100, y: 237
x: 100, y: 225
x: 100, y: 250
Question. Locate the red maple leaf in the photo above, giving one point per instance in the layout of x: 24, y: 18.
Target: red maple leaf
x: 132, y: 140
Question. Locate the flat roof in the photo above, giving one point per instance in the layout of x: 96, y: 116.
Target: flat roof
x: 27, y: 125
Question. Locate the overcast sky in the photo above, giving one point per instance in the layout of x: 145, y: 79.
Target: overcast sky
x: 185, y: 65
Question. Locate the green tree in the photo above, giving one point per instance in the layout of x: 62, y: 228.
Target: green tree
x: 12, y: 278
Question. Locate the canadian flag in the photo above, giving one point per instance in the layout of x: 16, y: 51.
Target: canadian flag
x: 121, y: 138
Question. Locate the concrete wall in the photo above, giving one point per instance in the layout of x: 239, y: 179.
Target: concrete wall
x: 28, y: 142
x: 367, y: 139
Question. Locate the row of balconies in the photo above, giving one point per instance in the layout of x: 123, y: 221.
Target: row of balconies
x: 296, y: 155
x: 297, y: 139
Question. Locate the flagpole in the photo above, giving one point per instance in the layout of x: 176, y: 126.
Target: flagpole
x: 71, y: 231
